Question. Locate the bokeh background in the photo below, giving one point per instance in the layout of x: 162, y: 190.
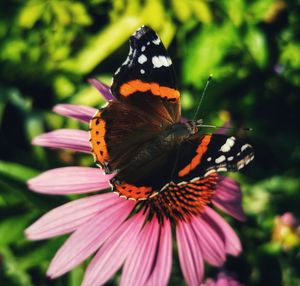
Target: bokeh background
x: 48, y: 50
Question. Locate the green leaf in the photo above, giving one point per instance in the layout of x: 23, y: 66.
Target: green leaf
x: 154, y: 14
x: 235, y: 9
x: 259, y: 9
x: 63, y: 86
x: 16, y: 171
x: 102, y: 44
x: 208, y: 49
x: 257, y: 46
x: 76, y: 276
x: 12, y: 228
x: 182, y: 10
x: 39, y: 253
x: 12, y: 270
x: 88, y: 96
x: 30, y: 13
x: 202, y: 11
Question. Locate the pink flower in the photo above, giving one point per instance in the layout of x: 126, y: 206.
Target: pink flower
x: 286, y: 231
x: 102, y: 224
x: 223, y: 279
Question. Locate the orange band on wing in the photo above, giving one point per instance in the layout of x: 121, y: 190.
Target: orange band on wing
x: 197, y: 159
x: 97, y: 140
x: 132, y: 192
x: 137, y: 85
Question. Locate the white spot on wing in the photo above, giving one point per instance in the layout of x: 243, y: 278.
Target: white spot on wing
x: 165, y: 186
x: 220, y: 159
x: 156, y: 62
x: 143, y: 48
x: 154, y: 194
x: 209, y: 172
x: 209, y: 159
x: 182, y: 183
x: 241, y: 166
x: 244, y: 147
x: 117, y: 71
x: 230, y: 158
x: 227, y: 146
x: 142, y: 71
x: 142, y: 59
x: 222, y: 169
x: 156, y: 41
x: 159, y: 61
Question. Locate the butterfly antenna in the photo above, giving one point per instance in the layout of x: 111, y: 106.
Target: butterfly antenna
x: 202, y: 96
x: 221, y: 127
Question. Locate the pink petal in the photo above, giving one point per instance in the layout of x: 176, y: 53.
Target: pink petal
x: 137, y: 268
x: 288, y: 219
x: 82, y: 113
x: 211, y: 243
x: 70, y: 180
x: 190, y: 255
x: 113, y: 253
x: 88, y: 238
x: 162, y: 268
x: 209, y: 282
x: 232, y: 242
x: 102, y: 88
x: 226, y: 280
x: 77, y: 140
x: 228, y: 198
x: 70, y: 216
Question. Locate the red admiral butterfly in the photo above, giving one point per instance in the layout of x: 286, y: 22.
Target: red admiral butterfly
x: 140, y: 135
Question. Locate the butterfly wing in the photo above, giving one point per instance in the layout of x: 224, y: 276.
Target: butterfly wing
x: 193, y: 165
x: 147, y: 102
x: 205, y: 154
x: 117, y: 132
x: 146, y: 79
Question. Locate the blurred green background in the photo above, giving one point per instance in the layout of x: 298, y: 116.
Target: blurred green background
x: 48, y: 50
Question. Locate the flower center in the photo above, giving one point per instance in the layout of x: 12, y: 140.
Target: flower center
x: 180, y: 201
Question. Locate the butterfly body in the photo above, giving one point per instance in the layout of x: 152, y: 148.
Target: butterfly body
x: 140, y: 136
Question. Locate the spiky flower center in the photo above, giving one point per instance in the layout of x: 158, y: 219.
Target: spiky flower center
x: 180, y: 201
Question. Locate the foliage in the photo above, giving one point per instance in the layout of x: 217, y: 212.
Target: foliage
x: 48, y: 49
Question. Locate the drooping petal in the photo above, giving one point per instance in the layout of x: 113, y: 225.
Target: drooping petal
x: 113, y: 253
x: 190, y: 255
x: 212, y: 245
x: 70, y: 216
x: 232, y: 242
x: 163, y: 264
x: 88, y: 238
x: 137, y: 268
x: 102, y: 88
x: 77, y: 140
x: 225, y: 280
x: 70, y: 180
x: 228, y: 198
x: 79, y: 112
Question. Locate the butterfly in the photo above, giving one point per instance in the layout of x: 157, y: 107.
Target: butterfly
x: 141, y: 138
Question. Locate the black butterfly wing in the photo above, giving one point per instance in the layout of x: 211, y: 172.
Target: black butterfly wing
x: 146, y: 79
x: 147, y: 102
x: 205, y: 154
x: 193, y: 165
x: 195, y: 176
